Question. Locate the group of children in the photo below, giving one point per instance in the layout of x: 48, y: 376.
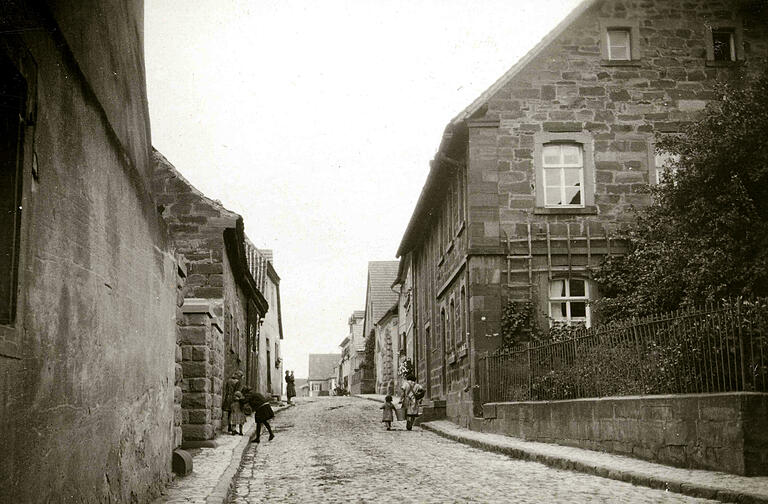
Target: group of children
x: 241, y: 402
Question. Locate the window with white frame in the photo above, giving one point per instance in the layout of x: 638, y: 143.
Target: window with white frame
x: 569, y: 301
x: 619, y: 44
x: 620, y: 41
x: 563, y: 175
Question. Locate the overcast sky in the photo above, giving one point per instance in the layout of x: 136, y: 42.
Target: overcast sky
x: 316, y: 119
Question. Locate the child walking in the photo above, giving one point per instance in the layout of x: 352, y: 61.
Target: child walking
x: 238, y: 418
x: 389, y: 409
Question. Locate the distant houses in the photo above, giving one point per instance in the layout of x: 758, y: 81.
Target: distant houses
x: 322, y: 373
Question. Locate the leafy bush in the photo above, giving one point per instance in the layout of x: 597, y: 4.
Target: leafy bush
x: 705, y: 235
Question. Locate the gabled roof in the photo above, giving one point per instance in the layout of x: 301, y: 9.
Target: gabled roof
x: 523, y: 62
x: 389, y: 313
x: 439, y: 167
x: 321, y: 366
x: 379, y: 295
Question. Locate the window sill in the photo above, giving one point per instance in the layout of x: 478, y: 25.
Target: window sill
x: 588, y: 210
x: 723, y: 64
x: 621, y: 63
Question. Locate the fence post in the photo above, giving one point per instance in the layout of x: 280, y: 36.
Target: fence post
x: 530, y: 371
x: 741, y: 346
x: 487, y: 387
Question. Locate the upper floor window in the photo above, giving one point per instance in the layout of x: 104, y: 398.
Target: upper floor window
x: 569, y: 301
x: 620, y: 41
x: 564, y: 164
x: 725, y: 44
x: 619, y: 44
x: 563, y: 175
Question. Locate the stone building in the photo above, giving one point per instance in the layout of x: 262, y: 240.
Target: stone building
x: 531, y: 178
x: 379, y: 298
x: 352, y: 349
x: 268, y: 378
x: 321, y: 373
x: 387, y: 350
x: 224, y: 307
x: 404, y: 285
x: 87, y: 279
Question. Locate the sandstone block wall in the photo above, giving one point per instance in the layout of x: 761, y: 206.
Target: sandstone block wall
x: 722, y: 432
x: 200, y: 339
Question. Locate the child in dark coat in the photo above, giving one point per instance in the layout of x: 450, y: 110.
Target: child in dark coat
x: 262, y: 413
x: 389, y: 409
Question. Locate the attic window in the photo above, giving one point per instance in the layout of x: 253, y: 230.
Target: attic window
x: 620, y: 41
x: 619, y: 44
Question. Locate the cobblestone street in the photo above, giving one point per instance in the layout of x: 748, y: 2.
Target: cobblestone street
x: 337, y: 450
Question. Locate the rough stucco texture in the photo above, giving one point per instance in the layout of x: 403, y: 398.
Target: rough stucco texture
x: 87, y: 405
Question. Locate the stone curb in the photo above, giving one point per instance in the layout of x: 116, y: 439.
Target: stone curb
x: 638, y: 478
x: 223, y: 488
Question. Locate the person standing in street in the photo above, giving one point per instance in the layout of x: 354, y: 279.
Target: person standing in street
x: 238, y: 418
x: 410, y: 399
x: 230, y: 387
x: 389, y: 409
x: 291, y: 385
x: 262, y: 413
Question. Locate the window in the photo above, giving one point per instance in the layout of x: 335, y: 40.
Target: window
x: 13, y: 95
x: 619, y: 44
x: 563, y: 170
x: 723, y: 46
x: 462, y: 310
x: 564, y: 164
x: 568, y: 301
x: 663, y: 164
x: 620, y: 41
x: 443, y: 328
x: 451, y: 325
x: 316, y: 387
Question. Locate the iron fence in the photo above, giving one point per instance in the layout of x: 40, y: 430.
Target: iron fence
x: 721, y: 348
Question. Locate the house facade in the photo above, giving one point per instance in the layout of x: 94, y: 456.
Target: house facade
x: 268, y: 378
x: 352, y: 349
x: 405, y: 308
x: 387, y: 351
x: 321, y: 373
x: 224, y: 304
x: 532, y: 178
x: 88, y: 280
x: 379, y: 298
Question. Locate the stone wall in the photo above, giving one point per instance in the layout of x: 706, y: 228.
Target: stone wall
x: 87, y: 377
x: 202, y: 363
x: 722, y: 432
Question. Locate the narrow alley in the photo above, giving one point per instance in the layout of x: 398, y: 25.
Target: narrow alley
x: 335, y: 449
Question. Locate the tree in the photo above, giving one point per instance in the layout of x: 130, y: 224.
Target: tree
x: 705, y: 235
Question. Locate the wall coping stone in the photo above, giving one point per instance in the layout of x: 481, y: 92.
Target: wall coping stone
x: 640, y: 397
